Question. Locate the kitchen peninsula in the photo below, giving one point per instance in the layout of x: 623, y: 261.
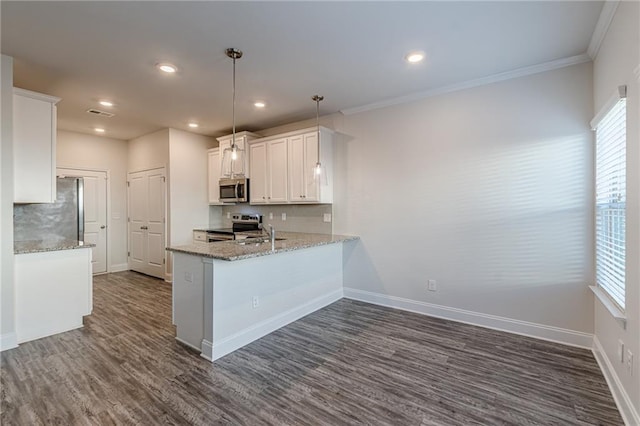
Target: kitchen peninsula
x: 228, y: 294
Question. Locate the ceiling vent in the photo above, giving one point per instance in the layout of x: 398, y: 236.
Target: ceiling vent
x: 100, y: 113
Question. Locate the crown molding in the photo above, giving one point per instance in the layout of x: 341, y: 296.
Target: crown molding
x: 508, y: 75
x: 602, y: 26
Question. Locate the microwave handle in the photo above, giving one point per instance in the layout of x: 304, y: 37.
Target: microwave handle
x: 237, y: 194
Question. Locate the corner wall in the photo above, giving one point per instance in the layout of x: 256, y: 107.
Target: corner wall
x: 80, y: 151
x: 488, y: 191
x: 7, y: 304
x: 617, y: 63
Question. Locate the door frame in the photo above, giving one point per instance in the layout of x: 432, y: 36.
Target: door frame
x: 77, y: 172
x: 167, y: 277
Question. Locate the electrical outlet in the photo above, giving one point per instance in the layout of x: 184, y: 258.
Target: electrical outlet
x: 284, y: 216
x: 630, y: 362
x: 228, y: 215
x: 188, y: 277
x: 327, y: 217
x: 271, y: 215
x: 621, y: 351
x: 431, y: 285
x: 255, y: 302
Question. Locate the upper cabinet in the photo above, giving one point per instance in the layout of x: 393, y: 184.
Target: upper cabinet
x: 34, y: 147
x: 268, y: 164
x: 238, y: 166
x: 282, y: 168
x: 215, y: 162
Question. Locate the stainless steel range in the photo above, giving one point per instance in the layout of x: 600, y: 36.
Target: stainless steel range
x: 243, y: 226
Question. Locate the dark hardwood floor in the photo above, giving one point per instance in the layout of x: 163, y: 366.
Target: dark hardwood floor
x: 350, y: 363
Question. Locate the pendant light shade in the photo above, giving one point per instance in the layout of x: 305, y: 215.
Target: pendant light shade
x: 234, y: 153
x: 317, y: 170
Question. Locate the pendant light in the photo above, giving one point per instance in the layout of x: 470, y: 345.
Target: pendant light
x: 235, y: 151
x: 317, y: 170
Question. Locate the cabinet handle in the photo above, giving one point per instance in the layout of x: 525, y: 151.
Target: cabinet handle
x: 144, y: 227
x: 102, y: 227
x: 263, y: 198
x: 269, y: 198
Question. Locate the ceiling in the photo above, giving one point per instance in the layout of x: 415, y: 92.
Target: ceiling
x: 350, y: 52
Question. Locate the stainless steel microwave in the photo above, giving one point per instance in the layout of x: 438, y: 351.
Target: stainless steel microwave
x: 234, y: 190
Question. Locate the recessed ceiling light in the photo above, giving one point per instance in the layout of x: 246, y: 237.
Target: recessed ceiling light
x: 193, y: 125
x: 414, y: 57
x: 168, y: 68
x: 99, y: 129
x: 259, y: 104
x: 106, y: 103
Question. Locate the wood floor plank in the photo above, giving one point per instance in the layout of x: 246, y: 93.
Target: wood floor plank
x: 349, y: 363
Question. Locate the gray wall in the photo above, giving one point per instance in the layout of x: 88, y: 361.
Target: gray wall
x: 7, y: 321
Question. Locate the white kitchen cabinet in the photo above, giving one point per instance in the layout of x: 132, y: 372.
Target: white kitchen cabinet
x: 34, y: 147
x: 304, y: 187
x: 268, y: 162
x: 54, y: 290
x: 239, y: 166
x: 215, y: 163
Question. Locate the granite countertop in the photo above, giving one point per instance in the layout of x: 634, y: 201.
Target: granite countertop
x: 232, y: 250
x: 37, y: 246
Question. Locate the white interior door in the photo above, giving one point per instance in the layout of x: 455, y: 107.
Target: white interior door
x: 95, y: 213
x: 147, y: 222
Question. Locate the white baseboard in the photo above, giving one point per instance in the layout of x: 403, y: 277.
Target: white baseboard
x: 119, y: 267
x: 244, y: 337
x: 8, y: 341
x: 624, y: 403
x: 524, y: 328
x: 168, y: 277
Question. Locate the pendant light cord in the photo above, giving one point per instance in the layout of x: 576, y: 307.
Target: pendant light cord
x: 233, y: 109
x: 318, y: 98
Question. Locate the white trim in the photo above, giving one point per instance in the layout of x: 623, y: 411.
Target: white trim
x: 628, y: 412
x: 244, y: 337
x: 120, y: 267
x: 619, y: 93
x: 613, y: 309
x: 508, y: 75
x: 35, y: 95
x: 524, y: 328
x: 602, y: 26
x: 8, y: 341
x: 167, y: 276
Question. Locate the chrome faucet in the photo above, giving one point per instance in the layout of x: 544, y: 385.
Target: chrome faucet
x: 272, y: 236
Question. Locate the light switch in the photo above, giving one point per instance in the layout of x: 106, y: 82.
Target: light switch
x: 284, y: 216
x: 327, y: 217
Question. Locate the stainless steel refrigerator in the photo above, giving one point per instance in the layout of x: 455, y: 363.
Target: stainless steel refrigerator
x: 63, y: 219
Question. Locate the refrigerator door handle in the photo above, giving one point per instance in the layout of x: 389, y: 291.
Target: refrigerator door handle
x: 80, y: 209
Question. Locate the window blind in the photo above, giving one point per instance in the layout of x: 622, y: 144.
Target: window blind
x: 611, y: 202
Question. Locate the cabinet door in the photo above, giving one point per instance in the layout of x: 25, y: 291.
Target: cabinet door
x: 258, y: 186
x: 34, y: 150
x: 214, y: 175
x: 296, y: 169
x: 311, y: 182
x: 278, y: 175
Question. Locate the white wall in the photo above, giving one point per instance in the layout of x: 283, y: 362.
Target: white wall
x: 80, y: 151
x: 149, y: 151
x: 189, y: 200
x: 488, y: 191
x: 614, y: 65
x: 7, y: 305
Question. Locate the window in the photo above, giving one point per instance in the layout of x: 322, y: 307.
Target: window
x: 611, y: 198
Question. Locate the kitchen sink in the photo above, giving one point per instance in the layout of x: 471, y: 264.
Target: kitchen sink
x: 261, y: 240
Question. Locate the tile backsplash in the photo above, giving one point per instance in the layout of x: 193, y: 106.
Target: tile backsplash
x: 300, y: 218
